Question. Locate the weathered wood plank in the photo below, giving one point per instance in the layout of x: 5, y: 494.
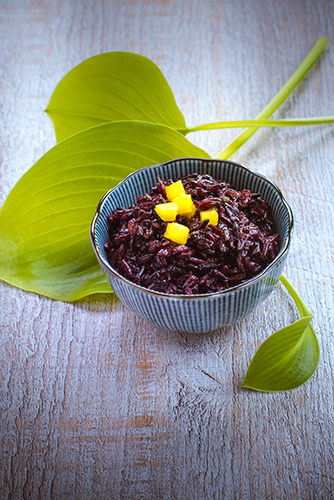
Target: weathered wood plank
x: 97, y: 403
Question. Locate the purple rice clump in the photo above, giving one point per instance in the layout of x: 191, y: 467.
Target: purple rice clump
x: 215, y: 257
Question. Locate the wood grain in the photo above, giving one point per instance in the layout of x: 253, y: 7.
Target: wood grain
x: 95, y: 402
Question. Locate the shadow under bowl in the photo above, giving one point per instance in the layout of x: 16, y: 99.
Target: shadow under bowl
x: 203, y: 312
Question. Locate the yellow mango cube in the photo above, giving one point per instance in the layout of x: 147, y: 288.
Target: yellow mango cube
x: 185, y: 205
x: 177, y: 233
x: 192, y: 213
x: 174, y: 190
x: 167, y: 211
x: 211, y: 214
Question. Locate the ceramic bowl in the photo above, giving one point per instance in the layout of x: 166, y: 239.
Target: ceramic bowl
x: 196, y: 313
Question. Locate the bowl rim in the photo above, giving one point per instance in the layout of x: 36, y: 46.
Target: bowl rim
x: 247, y: 284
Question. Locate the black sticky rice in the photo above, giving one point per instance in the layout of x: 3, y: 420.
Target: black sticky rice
x: 215, y: 257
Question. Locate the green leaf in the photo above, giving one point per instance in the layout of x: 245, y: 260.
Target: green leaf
x: 289, y: 357
x: 114, y: 86
x: 124, y: 86
x: 286, y: 360
x: 45, y: 220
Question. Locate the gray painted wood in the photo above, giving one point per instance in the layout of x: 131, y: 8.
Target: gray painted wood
x: 95, y: 402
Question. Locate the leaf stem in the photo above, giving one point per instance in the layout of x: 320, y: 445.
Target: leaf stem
x: 294, y: 122
x: 302, y: 307
x: 280, y: 97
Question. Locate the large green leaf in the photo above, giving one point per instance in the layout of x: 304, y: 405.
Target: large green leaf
x: 44, y: 223
x: 124, y: 86
x: 111, y: 87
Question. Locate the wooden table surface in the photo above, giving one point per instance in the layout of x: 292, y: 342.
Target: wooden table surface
x: 96, y: 403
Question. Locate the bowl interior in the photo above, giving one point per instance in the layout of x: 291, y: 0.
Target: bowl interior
x: 126, y: 192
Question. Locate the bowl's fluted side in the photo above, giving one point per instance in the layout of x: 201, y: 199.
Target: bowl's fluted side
x: 199, y: 313
x: 204, y: 314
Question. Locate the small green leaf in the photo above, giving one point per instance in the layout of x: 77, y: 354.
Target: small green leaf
x: 289, y: 357
x: 45, y: 220
x: 286, y: 360
x: 109, y: 87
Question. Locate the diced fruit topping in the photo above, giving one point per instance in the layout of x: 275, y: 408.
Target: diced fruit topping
x: 212, y: 215
x: 185, y: 205
x: 177, y: 233
x: 167, y: 211
x: 174, y: 190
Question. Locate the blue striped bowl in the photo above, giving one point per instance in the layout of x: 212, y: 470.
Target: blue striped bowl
x: 197, y: 313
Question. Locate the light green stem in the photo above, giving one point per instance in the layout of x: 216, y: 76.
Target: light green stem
x: 302, y: 307
x: 286, y: 90
x: 294, y: 122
